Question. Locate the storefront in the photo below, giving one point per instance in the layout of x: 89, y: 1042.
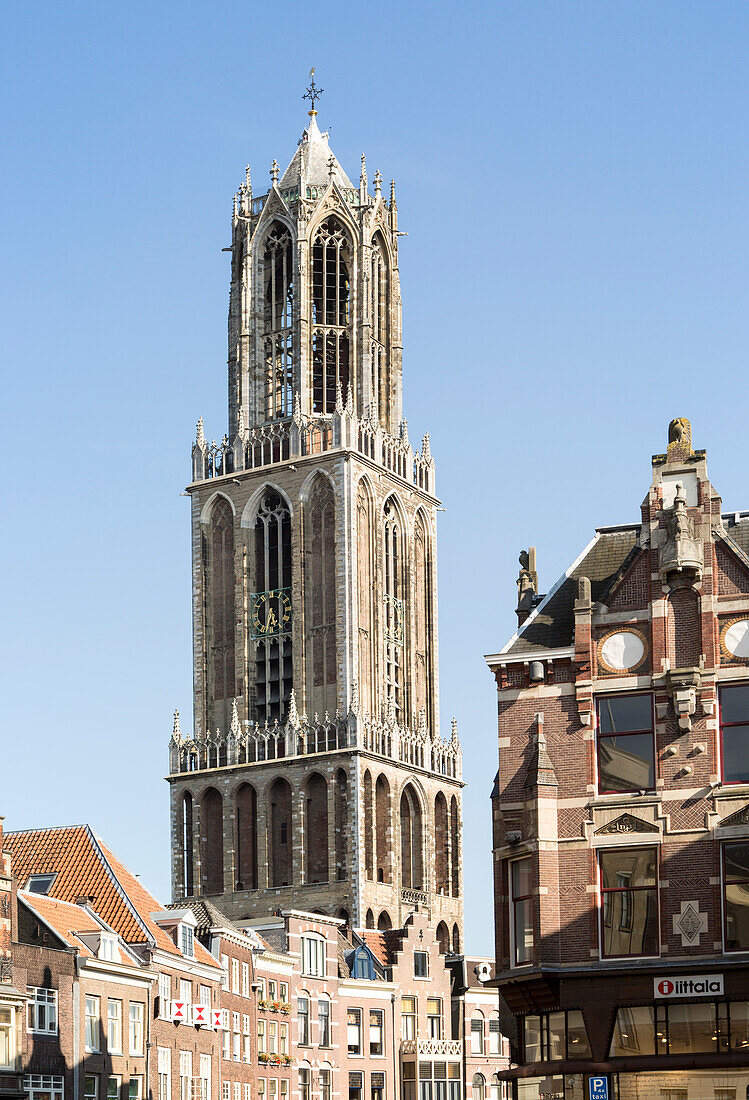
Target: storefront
x: 653, y: 1034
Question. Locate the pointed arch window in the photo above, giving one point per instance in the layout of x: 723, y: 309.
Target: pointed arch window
x: 423, y: 620
x: 331, y: 314
x: 187, y: 846
x: 278, y: 280
x: 411, y: 840
x: 220, y: 569
x: 380, y: 316
x: 365, y: 576
x: 394, y: 608
x: 270, y: 608
x: 321, y: 598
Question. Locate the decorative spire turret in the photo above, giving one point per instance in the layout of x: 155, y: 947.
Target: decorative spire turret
x: 377, y: 184
x: 274, y: 172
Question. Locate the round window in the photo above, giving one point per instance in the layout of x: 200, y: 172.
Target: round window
x: 623, y: 650
x: 736, y: 638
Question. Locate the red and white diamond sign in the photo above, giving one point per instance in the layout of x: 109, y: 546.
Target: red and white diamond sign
x: 179, y: 1011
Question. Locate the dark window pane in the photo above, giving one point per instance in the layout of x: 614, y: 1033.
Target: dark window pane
x: 739, y: 1025
x: 630, y: 923
x: 736, y: 754
x: 617, y: 714
x: 734, y: 703
x: 737, y: 862
x: 626, y: 763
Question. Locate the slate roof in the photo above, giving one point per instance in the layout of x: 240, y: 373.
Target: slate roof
x: 552, y: 623
x: 206, y: 914
x: 310, y: 161
x: 738, y: 532
x: 84, y: 866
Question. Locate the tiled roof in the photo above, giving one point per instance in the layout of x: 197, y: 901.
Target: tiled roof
x: 206, y: 914
x: 552, y: 624
x: 384, y: 945
x: 68, y: 921
x: 83, y: 866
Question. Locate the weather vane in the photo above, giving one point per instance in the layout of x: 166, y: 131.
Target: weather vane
x: 313, y: 93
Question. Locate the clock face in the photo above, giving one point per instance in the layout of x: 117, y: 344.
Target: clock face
x: 271, y: 612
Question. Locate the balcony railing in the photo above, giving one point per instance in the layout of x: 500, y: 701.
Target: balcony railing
x: 433, y: 1048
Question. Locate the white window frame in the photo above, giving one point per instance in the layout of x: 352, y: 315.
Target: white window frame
x: 164, y: 1071
x: 136, y: 1018
x: 114, y: 1026
x: 314, y: 956
x: 96, y: 1018
x: 42, y: 1014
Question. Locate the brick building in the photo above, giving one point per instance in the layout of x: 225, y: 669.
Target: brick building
x: 315, y: 776
x: 621, y: 807
x: 121, y: 995
x: 12, y: 999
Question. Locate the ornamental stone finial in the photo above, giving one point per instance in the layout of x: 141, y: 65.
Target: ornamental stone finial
x: 331, y: 166
x: 377, y: 184
x: 679, y: 439
x: 247, y: 178
x: 200, y: 437
x: 404, y: 431
x: 338, y: 398
x: 363, y: 173
x: 176, y: 731
x: 274, y: 172
x: 393, y: 205
x: 426, y: 450
x: 293, y: 719
x: 349, y: 400
x: 234, y: 728
x: 454, y: 730
x: 354, y: 696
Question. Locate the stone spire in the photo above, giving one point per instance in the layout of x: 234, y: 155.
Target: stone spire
x: 176, y: 730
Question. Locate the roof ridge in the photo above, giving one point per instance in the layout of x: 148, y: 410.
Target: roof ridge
x: 104, y: 855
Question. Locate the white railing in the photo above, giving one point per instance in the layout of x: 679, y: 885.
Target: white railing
x: 430, y: 1048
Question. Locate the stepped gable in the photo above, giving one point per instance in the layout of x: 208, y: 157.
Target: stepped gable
x: 552, y: 624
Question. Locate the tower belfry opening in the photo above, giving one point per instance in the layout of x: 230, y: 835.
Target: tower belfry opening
x: 316, y: 766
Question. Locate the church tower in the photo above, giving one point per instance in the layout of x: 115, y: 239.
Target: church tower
x: 315, y: 776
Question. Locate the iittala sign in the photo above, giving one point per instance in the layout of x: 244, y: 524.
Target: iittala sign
x: 689, y: 985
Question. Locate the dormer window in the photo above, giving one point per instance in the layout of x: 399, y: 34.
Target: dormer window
x: 108, y: 948
x: 186, y: 940
x: 40, y: 884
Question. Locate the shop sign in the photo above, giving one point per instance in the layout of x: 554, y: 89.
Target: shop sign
x: 688, y: 985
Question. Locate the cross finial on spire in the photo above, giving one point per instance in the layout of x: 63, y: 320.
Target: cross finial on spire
x: 274, y: 172
x: 313, y: 93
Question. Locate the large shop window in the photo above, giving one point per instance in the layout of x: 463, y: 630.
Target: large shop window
x: 625, y: 743
x: 629, y: 902
x: 734, y: 733
x: 521, y: 911
x: 680, y: 1028
x: 555, y: 1036
x: 736, y: 895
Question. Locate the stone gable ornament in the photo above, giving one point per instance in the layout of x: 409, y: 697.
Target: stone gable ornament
x: 627, y: 823
x: 740, y: 817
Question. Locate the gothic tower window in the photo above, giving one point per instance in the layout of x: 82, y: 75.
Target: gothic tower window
x: 380, y: 309
x: 187, y: 845
x: 454, y: 847
x: 278, y: 279
x: 341, y: 824
x: 220, y: 574
x: 212, y: 829
x: 280, y: 862
x: 316, y: 828
x: 411, y: 839
x: 423, y: 619
x: 394, y: 611
x: 440, y: 844
x: 382, y: 829
x: 270, y: 619
x: 321, y: 599
x: 331, y: 314
x: 443, y: 938
x: 365, y: 578
x: 368, y: 826
x: 246, y: 819
x: 384, y: 923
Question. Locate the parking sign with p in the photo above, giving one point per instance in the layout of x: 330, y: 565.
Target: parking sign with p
x: 598, y: 1088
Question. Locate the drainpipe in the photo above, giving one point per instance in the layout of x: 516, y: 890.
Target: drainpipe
x: 396, y: 1061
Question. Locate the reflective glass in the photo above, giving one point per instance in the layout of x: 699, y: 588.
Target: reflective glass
x: 577, y: 1037
x: 533, y: 1038
x: 628, y: 868
x: 736, y: 754
x: 521, y: 878
x: 737, y: 916
x: 621, y: 713
x: 556, y: 1035
x: 691, y: 1027
x: 634, y: 1032
x: 626, y: 763
x: 739, y: 1012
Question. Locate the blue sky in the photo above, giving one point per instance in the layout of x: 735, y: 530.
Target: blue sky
x: 573, y: 179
